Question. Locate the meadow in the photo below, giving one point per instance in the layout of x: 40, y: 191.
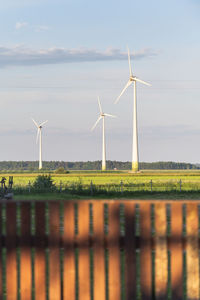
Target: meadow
x: 124, y: 182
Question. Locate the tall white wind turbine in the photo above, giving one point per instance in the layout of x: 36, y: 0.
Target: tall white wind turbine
x: 133, y: 80
x: 102, y: 116
x: 39, y: 136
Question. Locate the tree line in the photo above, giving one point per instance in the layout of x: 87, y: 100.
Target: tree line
x: 32, y: 166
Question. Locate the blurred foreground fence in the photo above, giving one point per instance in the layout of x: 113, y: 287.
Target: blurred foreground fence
x: 99, y: 250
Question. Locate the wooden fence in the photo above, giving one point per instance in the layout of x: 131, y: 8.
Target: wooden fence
x: 81, y: 250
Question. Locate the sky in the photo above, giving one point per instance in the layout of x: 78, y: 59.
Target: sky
x: 58, y: 56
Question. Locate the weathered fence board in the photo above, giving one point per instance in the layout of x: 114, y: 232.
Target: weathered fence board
x: 84, y: 251
x: 161, y: 260
x: 1, y: 265
x: 11, y: 253
x: 99, y: 252
x: 145, y: 251
x: 130, y: 261
x: 40, y: 257
x: 176, y: 249
x: 114, y: 252
x: 54, y: 252
x: 25, y: 252
x: 192, y: 222
x: 69, y: 254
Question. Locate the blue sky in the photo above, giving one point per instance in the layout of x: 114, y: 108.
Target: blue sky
x: 56, y: 57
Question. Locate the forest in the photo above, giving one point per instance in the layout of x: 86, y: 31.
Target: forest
x: 32, y: 166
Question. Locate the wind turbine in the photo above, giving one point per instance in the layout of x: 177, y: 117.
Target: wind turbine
x: 133, y: 80
x: 39, y: 136
x: 102, y: 116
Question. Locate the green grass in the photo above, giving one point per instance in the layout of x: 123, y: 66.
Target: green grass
x: 136, y: 196
x: 165, y: 185
x: 47, y: 197
x: 113, y: 178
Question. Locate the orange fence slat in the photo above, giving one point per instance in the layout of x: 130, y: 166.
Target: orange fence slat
x: 25, y: 252
x: 176, y: 249
x: 192, y: 254
x: 130, y: 254
x: 84, y: 253
x: 99, y: 251
x: 69, y: 254
x: 11, y: 262
x: 1, y: 270
x: 54, y: 251
x: 161, y: 260
x: 40, y: 263
x: 145, y: 251
x: 114, y: 288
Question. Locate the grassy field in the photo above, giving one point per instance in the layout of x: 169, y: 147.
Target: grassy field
x: 145, y: 184
x: 106, y: 178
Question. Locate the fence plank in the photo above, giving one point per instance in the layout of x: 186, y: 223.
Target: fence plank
x: 1, y: 270
x: 176, y: 251
x: 11, y: 262
x: 99, y: 251
x: 25, y: 255
x: 84, y: 254
x: 145, y: 251
x: 69, y: 255
x: 54, y: 251
x: 161, y: 261
x: 114, y: 252
x: 40, y: 265
x: 1, y: 264
x: 130, y: 261
x: 192, y: 252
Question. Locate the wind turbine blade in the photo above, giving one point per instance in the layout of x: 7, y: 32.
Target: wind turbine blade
x: 126, y: 86
x: 43, y: 123
x: 141, y: 81
x: 35, y: 123
x: 96, y: 123
x: 129, y: 62
x: 37, y: 137
x: 108, y: 115
x: 100, y: 108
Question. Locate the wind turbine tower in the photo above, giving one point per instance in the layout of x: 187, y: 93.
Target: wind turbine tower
x: 39, y: 136
x: 133, y: 80
x: 102, y: 116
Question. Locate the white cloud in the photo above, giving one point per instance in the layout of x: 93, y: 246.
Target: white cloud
x: 20, y: 25
x: 39, y: 28
x: 36, y: 28
x: 21, y: 56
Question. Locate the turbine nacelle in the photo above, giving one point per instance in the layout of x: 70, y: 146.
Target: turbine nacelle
x: 132, y: 78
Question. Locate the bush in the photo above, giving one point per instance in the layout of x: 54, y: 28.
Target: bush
x: 61, y: 170
x: 44, y: 182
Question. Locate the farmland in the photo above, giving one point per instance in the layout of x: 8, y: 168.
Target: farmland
x: 99, y: 178
x: 115, y: 183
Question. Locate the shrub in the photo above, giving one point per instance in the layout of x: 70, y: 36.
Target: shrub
x: 61, y: 170
x: 44, y: 182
